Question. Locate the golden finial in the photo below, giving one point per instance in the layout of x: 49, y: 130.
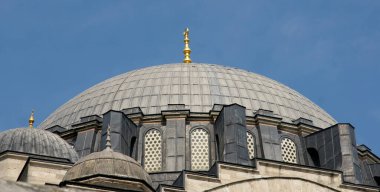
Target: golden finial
x: 187, y: 49
x: 31, y: 120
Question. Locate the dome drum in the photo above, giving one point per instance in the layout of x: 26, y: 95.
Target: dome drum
x: 156, y: 140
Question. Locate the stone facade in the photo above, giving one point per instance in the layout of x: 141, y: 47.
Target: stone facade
x: 11, y: 166
x: 264, y: 176
x: 33, y: 169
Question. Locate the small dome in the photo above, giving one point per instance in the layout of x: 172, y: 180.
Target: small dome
x: 36, y: 141
x: 107, y: 162
x: 198, y: 86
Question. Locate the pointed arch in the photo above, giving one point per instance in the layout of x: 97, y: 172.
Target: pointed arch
x: 314, y: 155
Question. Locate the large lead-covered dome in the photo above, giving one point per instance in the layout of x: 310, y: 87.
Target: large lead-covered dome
x: 198, y: 86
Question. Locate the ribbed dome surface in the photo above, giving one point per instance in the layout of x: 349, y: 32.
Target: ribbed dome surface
x: 196, y: 85
x: 36, y: 141
x: 107, y: 162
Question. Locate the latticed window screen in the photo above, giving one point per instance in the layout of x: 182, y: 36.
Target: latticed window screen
x: 250, y: 145
x: 289, y: 151
x: 152, y: 151
x: 199, y: 150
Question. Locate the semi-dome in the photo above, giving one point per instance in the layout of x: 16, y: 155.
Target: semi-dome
x: 198, y: 86
x: 109, y: 163
x: 36, y: 141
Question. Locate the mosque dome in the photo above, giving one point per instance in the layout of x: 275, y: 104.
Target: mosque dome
x: 110, y: 163
x: 36, y: 141
x: 198, y: 86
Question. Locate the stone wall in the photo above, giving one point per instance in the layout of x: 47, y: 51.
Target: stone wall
x: 21, y: 167
x: 43, y: 172
x: 11, y: 166
x: 268, y: 176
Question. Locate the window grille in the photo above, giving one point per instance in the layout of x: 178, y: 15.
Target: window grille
x: 199, y: 150
x: 152, y: 151
x: 250, y: 145
x: 289, y: 151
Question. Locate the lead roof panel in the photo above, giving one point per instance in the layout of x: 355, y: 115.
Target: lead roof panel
x: 196, y: 85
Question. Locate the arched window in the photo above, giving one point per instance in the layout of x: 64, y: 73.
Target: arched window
x: 288, y: 150
x: 251, y: 145
x: 152, y: 151
x: 199, y: 150
x: 377, y: 180
x: 217, y: 147
x: 132, y: 147
x: 314, y: 156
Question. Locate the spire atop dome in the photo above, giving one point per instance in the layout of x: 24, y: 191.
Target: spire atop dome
x: 108, y: 140
x: 31, y: 120
x: 187, y: 49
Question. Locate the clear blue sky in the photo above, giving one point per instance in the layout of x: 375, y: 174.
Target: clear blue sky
x: 327, y: 50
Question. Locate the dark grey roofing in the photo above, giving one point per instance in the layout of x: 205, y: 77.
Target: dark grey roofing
x: 36, y: 141
x: 198, y: 86
x: 107, y: 162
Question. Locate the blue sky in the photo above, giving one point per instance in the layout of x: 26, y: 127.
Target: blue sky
x: 327, y: 50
